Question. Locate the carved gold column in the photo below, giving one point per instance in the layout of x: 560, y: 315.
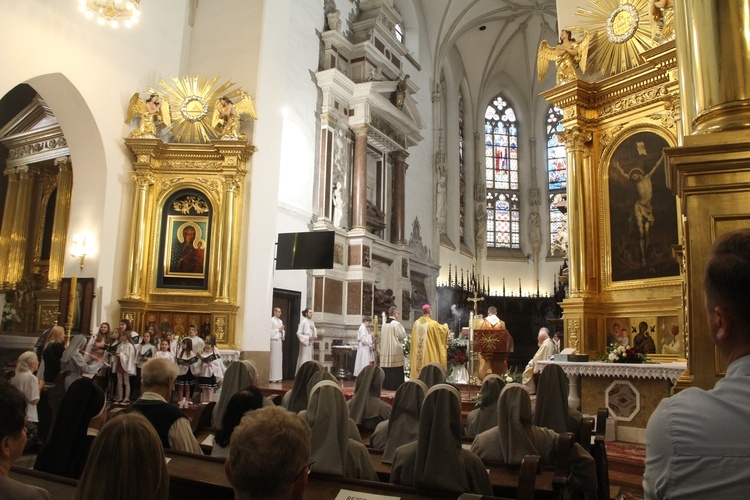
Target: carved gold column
x: 359, y: 181
x: 139, y: 233
x: 575, y: 138
x: 713, y: 43
x: 19, y: 237
x: 230, y: 185
x: 9, y: 216
x: 710, y: 171
x: 399, y: 196
x: 60, y: 224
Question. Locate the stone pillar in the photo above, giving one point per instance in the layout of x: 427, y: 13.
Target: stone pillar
x: 359, y: 181
x: 9, y: 216
x: 60, y: 224
x: 224, y: 258
x: 19, y: 236
x: 399, y: 197
x: 139, y: 236
x: 575, y: 138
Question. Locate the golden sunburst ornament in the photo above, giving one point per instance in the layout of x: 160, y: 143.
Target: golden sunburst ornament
x: 621, y: 30
x: 191, y: 102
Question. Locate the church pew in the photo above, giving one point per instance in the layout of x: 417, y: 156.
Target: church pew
x: 585, y: 433
x: 59, y: 487
x: 599, y: 453
x: 197, y: 476
x: 193, y: 476
x: 202, y: 417
x: 548, y: 483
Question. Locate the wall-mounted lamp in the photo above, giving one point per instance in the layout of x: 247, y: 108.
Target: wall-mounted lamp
x: 79, y: 250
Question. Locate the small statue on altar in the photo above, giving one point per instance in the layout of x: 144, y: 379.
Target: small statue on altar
x: 151, y: 110
x: 567, y: 54
x: 226, y: 118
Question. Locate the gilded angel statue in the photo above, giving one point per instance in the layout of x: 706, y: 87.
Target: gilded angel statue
x: 226, y: 118
x: 567, y: 55
x: 152, y: 109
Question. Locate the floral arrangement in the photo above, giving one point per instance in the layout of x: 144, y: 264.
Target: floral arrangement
x: 457, y: 354
x: 625, y: 354
x: 9, y: 314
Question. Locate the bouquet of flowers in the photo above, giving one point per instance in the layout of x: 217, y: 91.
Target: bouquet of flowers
x: 457, y: 354
x: 622, y: 354
x: 9, y: 314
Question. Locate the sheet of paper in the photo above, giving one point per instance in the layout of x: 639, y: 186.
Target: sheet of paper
x: 209, y: 441
x: 359, y: 495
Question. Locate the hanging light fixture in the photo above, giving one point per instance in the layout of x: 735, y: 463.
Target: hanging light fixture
x: 112, y: 12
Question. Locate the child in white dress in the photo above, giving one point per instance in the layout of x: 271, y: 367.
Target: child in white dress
x: 212, y: 369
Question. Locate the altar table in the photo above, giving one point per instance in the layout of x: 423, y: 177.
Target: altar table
x: 630, y: 392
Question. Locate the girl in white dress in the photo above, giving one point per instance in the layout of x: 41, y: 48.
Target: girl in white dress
x: 165, y: 351
x: 365, y: 355
x: 124, y: 367
x: 189, y: 366
x: 143, y: 352
x: 212, y: 369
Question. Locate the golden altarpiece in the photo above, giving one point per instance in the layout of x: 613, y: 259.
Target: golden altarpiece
x: 38, y: 184
x: 187, y: 204
x: 625, y: 231
x: 692, y: 93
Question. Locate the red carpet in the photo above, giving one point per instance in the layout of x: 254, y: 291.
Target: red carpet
x: 631, y: 453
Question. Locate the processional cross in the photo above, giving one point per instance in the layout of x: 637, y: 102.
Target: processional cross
x: 475, y: 300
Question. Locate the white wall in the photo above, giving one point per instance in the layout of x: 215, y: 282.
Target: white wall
x: 87, y: 74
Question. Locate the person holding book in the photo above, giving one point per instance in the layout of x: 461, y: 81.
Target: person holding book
x: 189, y: 366
x: 165, y: 352
x: 143, y: 352
x: 212, y: 369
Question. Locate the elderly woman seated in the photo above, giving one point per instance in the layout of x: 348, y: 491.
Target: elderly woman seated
x: 436, y: 459
x: 366, y: 408
x: 515, y: 437
x: 334, y: 452
x: 485, y: 417
x: 403, y: 425
x: 552, y: 410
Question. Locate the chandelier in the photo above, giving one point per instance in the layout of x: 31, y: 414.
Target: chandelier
x: 112, y: 12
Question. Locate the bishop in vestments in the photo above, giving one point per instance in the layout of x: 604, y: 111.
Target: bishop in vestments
x: 429, y: 343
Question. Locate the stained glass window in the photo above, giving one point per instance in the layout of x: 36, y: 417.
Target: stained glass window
x: 557, y: 170
x: 501, y: 175
x: 461, y: 169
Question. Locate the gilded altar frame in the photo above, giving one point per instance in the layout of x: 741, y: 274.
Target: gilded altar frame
x: 598, y: 117
x: 214, y: 173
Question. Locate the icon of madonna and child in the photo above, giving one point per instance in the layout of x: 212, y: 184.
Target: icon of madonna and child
x: 187, y: 254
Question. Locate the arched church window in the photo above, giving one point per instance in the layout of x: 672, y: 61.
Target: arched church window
x: 557, y: 172
x: 399, y: 30
x: 501, y: 175
x: 461, y: 170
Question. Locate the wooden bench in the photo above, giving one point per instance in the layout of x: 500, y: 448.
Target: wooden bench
x: 201, y: 419
x: 59, y: 487
x: 548, y: 482
x: 192, y: 476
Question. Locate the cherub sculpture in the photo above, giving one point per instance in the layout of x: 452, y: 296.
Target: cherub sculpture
x: 567, y: 55
x: 226, y: 118
x: 152, y: 109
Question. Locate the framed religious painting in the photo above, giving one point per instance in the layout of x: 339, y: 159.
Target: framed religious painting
x: 641, y: 213
x: 186, y: 244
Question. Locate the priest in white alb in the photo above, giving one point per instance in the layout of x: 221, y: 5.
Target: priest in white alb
x: 546, y: 349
